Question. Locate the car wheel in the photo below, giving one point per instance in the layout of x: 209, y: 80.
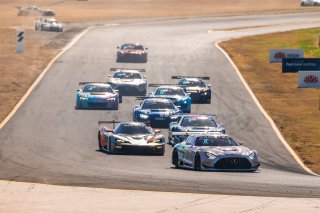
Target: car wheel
x: 197, y: 163
x: 111, y: 150
x: 99, y: 142
x: 175, y: 158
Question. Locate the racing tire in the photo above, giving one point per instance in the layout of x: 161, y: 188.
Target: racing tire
x: 197, y: 163
x: 99, y: 144
x: 175, y: 158
x: 111, y: 151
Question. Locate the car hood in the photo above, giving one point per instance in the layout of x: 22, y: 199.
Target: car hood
x: 135, y: 139
x: 98, y: 94
x: 225, y: 150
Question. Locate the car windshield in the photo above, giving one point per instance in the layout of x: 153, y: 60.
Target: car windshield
x: 155, y: 104
x: 198, y: 121
x: 97, y: 88
x: 170, y: 91
x: 127, y: 75
x: 215, y: 141
x: 187, y: 83
x: 132, y: 129
x: 132, y: 47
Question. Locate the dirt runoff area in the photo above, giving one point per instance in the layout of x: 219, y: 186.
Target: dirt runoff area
x: 295, y: 111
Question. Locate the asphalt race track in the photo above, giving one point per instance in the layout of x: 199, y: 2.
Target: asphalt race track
x: 48, y: 141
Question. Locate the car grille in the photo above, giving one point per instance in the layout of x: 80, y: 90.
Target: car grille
x: 233, y: 163
x: 97, y: 105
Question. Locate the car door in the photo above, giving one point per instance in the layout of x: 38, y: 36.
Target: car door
x: 188, y: 151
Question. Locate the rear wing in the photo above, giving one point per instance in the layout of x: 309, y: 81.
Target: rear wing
x: 158, y: 85
x: 119, y: 69
x: 198, y: 77
x: 114, y: 122
x: 87, y: 82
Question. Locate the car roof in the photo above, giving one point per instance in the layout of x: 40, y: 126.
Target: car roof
x: 169, y: 87
x: 213, y: 134
x: 128, y: 71
x: 158, y: 99
x: 98, y: 84
x: 191, y: 79
x: 132, y: 123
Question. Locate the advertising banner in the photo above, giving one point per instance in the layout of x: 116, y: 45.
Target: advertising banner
x: 276, y: 55
x: 309, y: 79
x: 300, y: 64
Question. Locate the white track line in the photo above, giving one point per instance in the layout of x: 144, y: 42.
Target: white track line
x: 273, y: 125
x: 37, y: 81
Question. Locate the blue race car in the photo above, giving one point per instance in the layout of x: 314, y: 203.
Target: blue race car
x: 175, y: 93
x: 97, y: 96
x: 191, y: 124
x: 155, y: 111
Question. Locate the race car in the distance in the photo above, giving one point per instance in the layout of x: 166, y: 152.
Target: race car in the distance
x: 130, y: 137
x: 34, y: 11
x: 217, y: 152
x: 128, y: 81
x: 310, y: 3
x: 175, y: 93
x: 132, y: 53
x: 48, y: 24
x: 192, y: 124
x: 155, y: 111
x: 97, y: 96
x: 198, y: 90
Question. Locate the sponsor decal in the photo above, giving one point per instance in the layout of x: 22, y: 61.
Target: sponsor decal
x: 309, y: 79
x: 290, y: 65
x: 280, y: 55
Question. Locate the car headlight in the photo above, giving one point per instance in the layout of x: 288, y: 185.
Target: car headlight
x: 184, y: 102
x: 211, y: 156
x: 118, y: 140
x: 252, y: 155
x: 111, y: 99
x: 144, y: 116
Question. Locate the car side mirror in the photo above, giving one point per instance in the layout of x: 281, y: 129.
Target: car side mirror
x: 144, y: 76
x: 146, y: 48
x: 78, y: 90
x: 118, y: 47
x: 173, y: 123
x: 240, y: 143
x: 117, y: 91
x: 209, y: 85
x: 109, y: 130
x: 136, y: 106
x: 109, y: 76
x: 157, y: 131
x: 221, y: 124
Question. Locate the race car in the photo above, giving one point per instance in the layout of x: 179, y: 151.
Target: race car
x: 130, y: 136
x: 97, y: 96
x: 155, y: 111
x: 128, y: 81
x: 216, y: 152
x: 198, y: 90
x: 175, y: 93
x: 310, y: 3
x: 132, y: 53
x: 191, y: 124
x: 48, y: 24
x: 34, y: 11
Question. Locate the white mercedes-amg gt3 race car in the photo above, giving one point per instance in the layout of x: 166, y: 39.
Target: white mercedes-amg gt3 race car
x: 48, y: 24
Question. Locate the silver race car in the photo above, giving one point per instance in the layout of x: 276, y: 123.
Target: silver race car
x: 48, y: 24
x: 34, y: 11
x: 190, y: 124
x: 128, y: 81
x: 216, y: 151
x: 310, y: 3
x: 130, y: 136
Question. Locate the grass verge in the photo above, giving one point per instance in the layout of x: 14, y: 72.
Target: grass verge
x: 295, y: 111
